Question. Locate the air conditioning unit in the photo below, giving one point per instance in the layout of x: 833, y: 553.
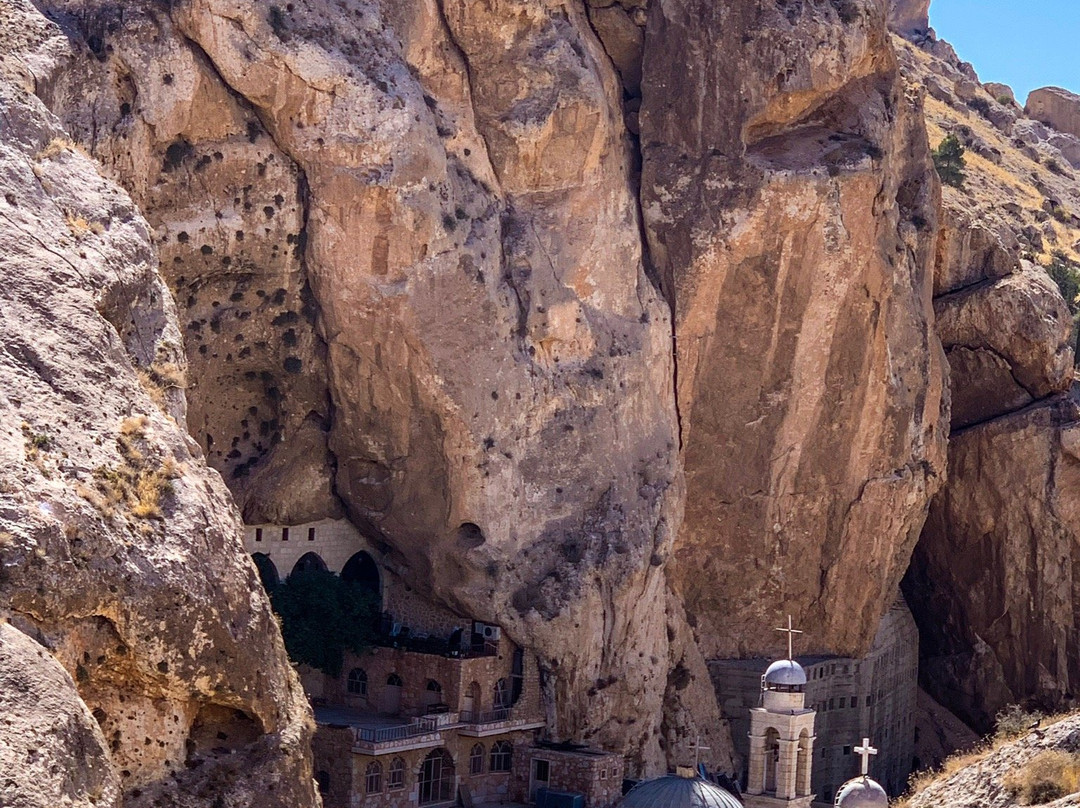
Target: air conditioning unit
x: 491, y: 632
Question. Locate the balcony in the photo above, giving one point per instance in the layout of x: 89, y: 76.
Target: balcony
x: 380, y: 735
x: 480, y: 723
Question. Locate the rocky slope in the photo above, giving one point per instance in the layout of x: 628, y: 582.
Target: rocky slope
x: 120, y: 552
x: 995, y: 778
x: 992, y: 578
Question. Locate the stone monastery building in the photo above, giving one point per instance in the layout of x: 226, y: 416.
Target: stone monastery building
x: 444, y: 711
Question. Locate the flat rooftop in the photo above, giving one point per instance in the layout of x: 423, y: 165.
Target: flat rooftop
x: 346, y: 717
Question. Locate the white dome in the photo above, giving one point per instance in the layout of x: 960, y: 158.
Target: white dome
x: 785, y: 672
x: 862, y: 792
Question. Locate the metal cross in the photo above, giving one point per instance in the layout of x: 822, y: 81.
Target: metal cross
x: 790, y: 636
x: 697, y: 747
x: 865, y: 751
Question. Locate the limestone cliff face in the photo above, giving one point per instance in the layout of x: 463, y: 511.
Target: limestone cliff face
x: 992, y: 577
x: 791, y: 221
x: 512, y: 284
x: 120, y: 552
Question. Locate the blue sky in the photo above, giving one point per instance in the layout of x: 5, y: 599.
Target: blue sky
x: 1022, y: 43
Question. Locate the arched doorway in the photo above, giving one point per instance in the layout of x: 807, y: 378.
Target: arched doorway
x: 437, y: 778
x: 362, y: 570
x: 268, y: 573
x: 802, y: 763
x: 391, y: 695
x: 309, y: 562
x: 471, y: 704
x: 772, y: 759
x: 432, y: 694
x: 502, y: 695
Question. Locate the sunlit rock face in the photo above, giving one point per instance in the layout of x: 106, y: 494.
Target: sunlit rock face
x: 120, y: 551
x: 790, y: 211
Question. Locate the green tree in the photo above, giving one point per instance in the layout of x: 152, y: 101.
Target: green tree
x: 949, y: 161
x: 1066, y: 274
x: 322, y: 616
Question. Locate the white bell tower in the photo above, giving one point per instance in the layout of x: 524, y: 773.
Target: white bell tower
x: 781, y: 737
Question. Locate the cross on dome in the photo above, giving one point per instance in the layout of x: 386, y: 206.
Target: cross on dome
x: 791, y: 632
x: 865, y: 751
x: 698, y: 748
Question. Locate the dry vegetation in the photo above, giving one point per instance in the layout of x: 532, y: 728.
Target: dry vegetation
x: 1048, y: 776
x: 159, y: 378
x: 1012, y: 724
x: 138, y: 484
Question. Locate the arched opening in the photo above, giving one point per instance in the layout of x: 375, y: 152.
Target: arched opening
x: 502, y: 695
x: 268, y: 573
x: 373, y: 778
x: 471, y: 703
x: 772, y: 759
x: 395, y: 779
x: 391, y: 695
x: 432, y: 693
x: 476, y: 759
x: 802, y: 766
x: 437, y: 778
x: 362, y: 570
x: 501, y: 756
x: 358, y: 683
x: 309, y: 562
x: 322, y: 779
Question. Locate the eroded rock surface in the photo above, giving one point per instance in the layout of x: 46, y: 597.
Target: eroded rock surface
x: 791, y: 223
x: 46, y: 729
x: 120, y: 550
x: 1055, y: 107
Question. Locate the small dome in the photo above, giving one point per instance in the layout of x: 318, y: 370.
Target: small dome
x: 674, y: 791
x: 862, y: 792
x: 785, y: 672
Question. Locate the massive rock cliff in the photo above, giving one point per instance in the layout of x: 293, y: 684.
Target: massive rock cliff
x: 791, y: 214
x: 513, y: 284
x: 120, y: 551
x: 992, y: 578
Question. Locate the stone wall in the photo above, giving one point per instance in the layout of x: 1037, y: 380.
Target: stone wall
x: 597, y: 775
x: 348, y: 771
x: 871, y: 697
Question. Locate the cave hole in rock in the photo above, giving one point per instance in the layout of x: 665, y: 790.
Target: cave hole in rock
x: 470, y: 536
x: 220, y: 730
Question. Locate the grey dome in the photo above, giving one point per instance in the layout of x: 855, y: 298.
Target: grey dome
x: 785, y: 672
x: 862, y: 792
x: 674, y: 791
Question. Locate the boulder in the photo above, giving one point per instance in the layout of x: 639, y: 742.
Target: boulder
x: 1056, y: 108
x: 909, y: 18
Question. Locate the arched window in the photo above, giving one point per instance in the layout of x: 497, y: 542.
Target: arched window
x: 268, y: 573
x: 501, y: 754
x: 362, y: 570
x: 393, y: 680
x: 476, y: 759
x: 395, y: 779
x: 322, y: 780
x: 373, y: 778
x: 502, y: 695
x: 357, y: 685
x: 437, y: 778
x: 433, y: 686
x: 309, y: 562
x: 772, y: 760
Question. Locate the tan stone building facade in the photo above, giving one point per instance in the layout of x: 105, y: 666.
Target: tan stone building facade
x: 441, y: 711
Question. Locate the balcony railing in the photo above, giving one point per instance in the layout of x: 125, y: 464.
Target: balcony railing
x: 487, y: 716
x: 403, y: 732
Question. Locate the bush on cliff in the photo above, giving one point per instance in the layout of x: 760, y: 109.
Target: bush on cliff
x: 949, y: 161
x: 1048, y: 776
x: 322, y: 616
